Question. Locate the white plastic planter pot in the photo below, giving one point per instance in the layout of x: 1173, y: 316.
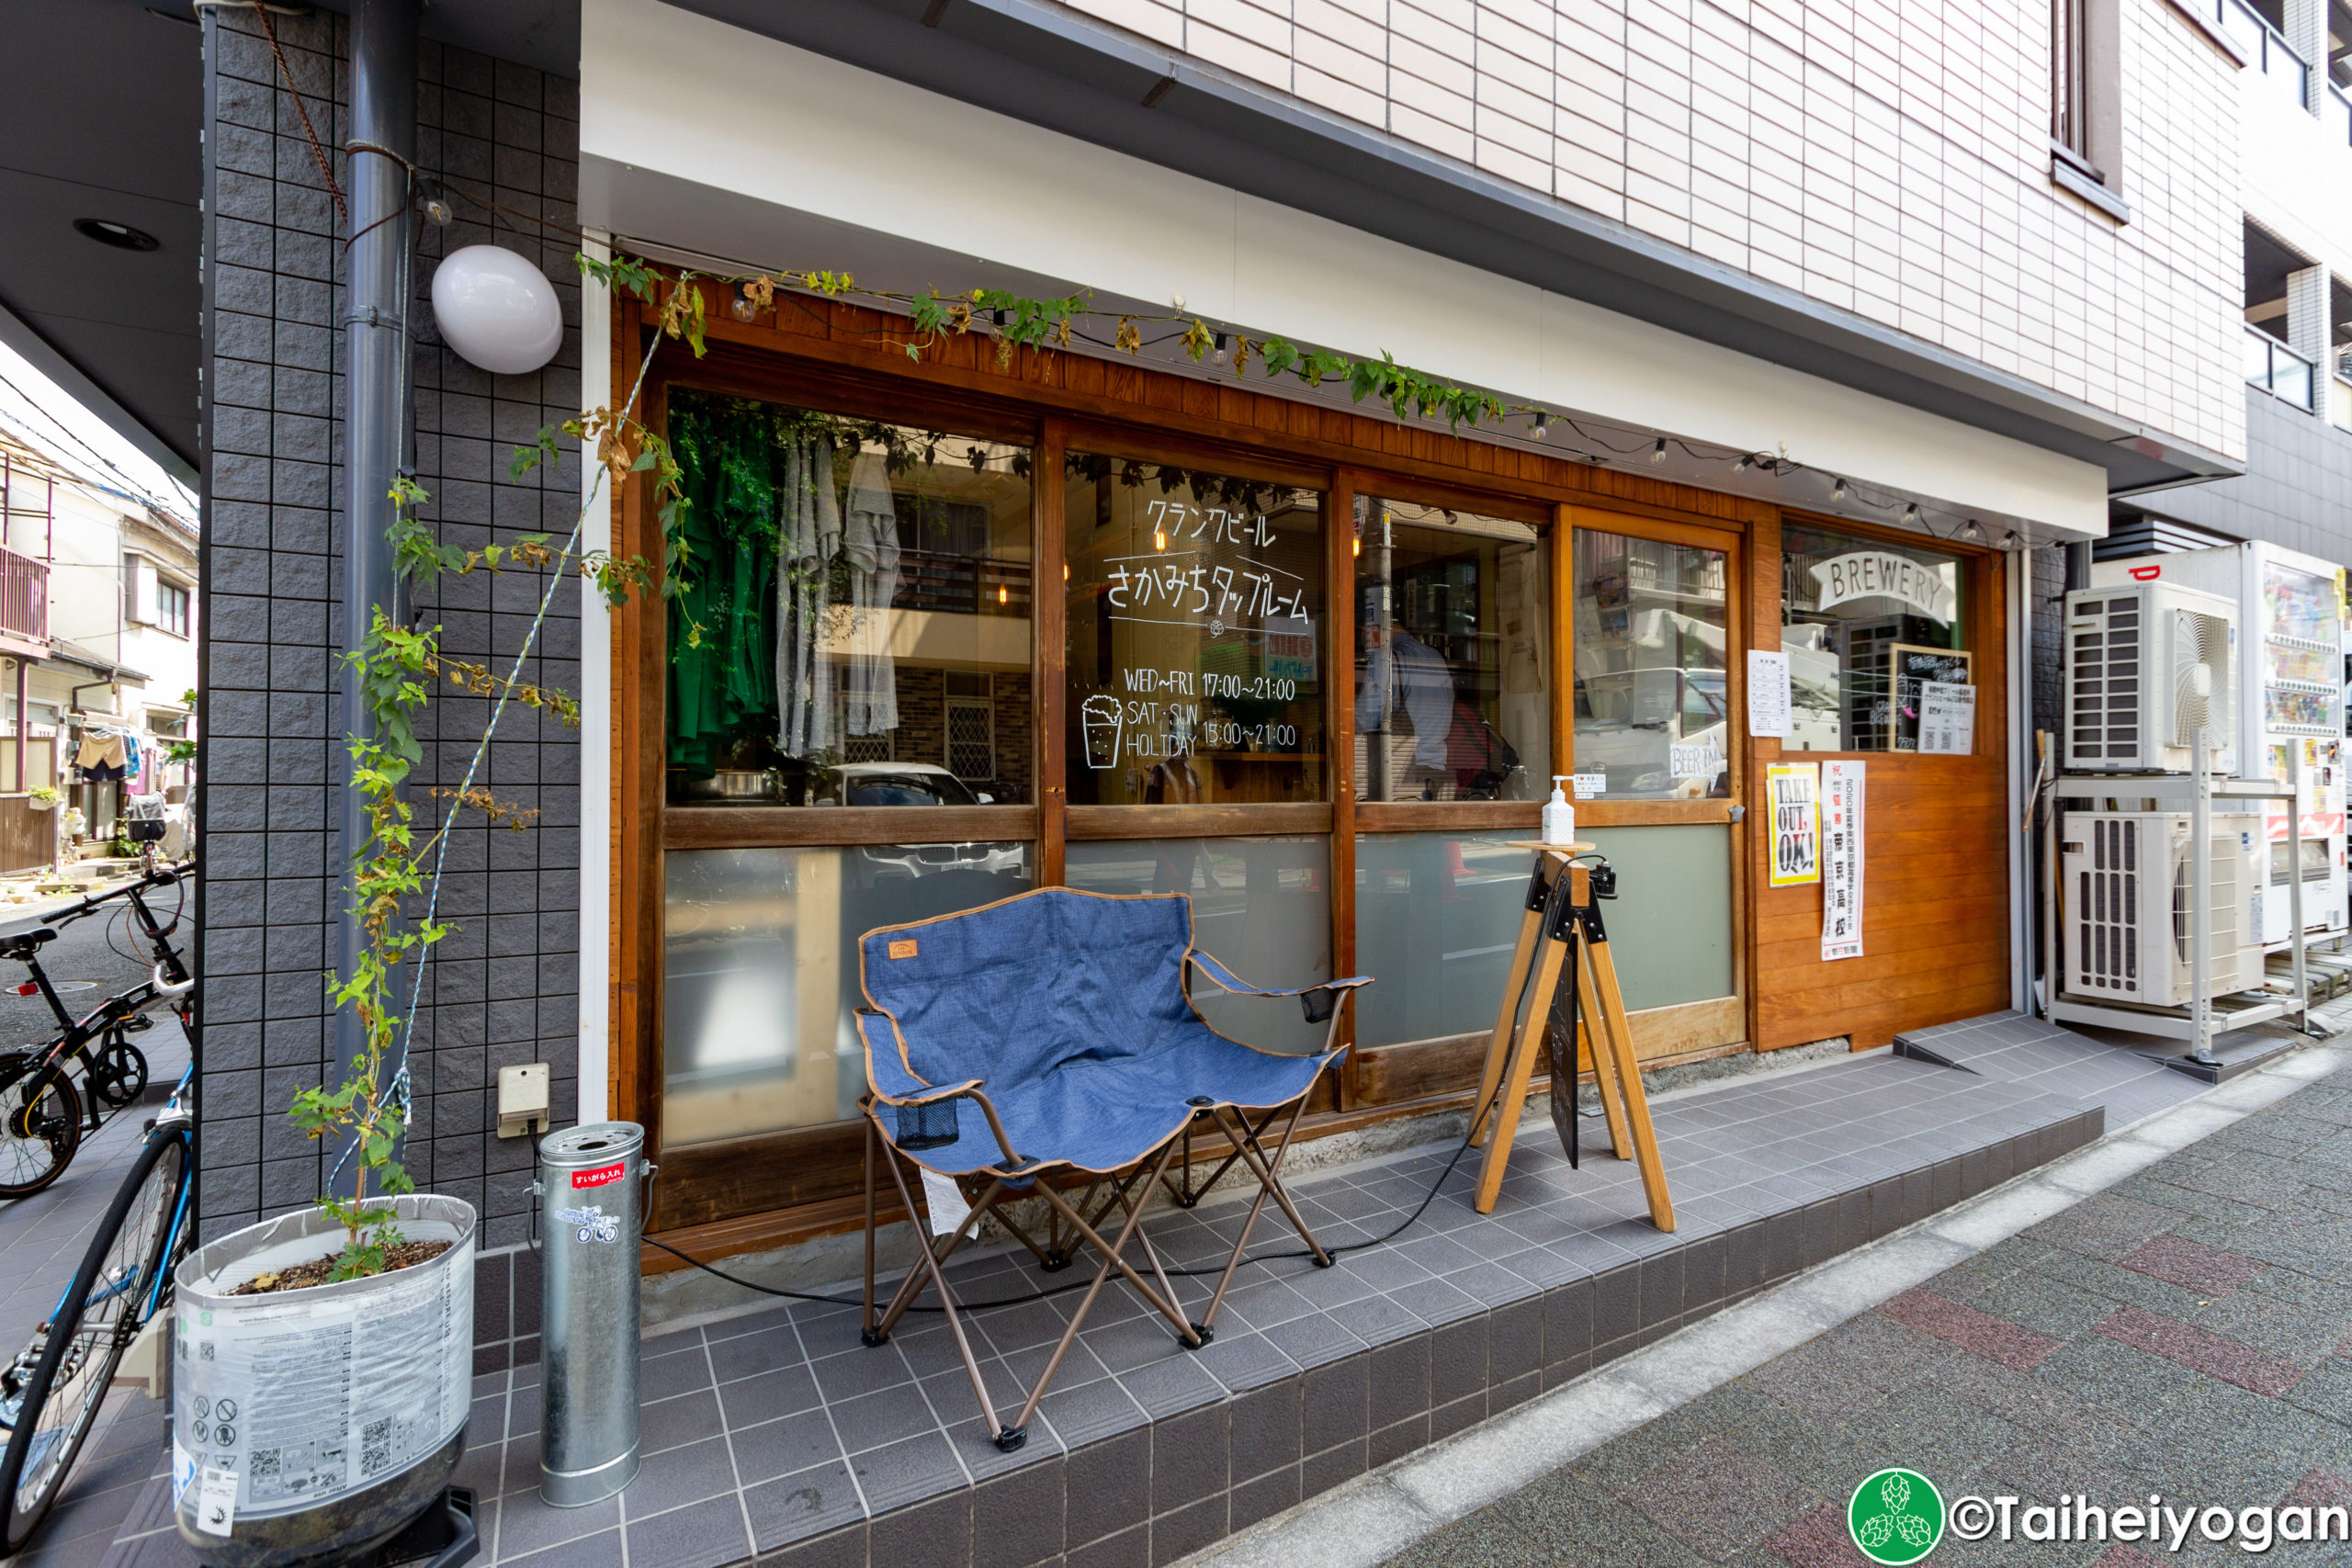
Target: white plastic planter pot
x: 311, y: 1426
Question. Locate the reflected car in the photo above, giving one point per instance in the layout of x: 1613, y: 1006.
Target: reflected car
x: 920, y: 784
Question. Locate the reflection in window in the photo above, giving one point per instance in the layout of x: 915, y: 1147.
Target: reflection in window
x: 1437, y: 915
x: 856, y: 615
x: 1865, y: 623
x: 759, y: 971
x: 1652, y: 688
x: 1263, y: 905
x: 1450, y: 682
x: 1195, y: 605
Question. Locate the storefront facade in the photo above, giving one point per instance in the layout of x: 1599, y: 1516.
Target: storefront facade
x: 962, y: 628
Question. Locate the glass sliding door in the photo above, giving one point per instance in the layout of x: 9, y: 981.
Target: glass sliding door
x: 1658, y: 727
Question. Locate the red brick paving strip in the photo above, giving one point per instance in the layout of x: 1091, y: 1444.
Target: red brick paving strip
x: 2192, y: 1265
x: 2201, y: 1351
x: 1816, y: 1540
x: 1995, y: 1339
x: 2318, y: 1489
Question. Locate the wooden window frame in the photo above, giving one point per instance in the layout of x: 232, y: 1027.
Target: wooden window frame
x: 773, y: 1190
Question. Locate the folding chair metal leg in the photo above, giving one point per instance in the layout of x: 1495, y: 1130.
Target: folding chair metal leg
x: 1269, y: 1182
x: 953, y: 1316
x: 941, y: 1248
x: 1110, y: 1251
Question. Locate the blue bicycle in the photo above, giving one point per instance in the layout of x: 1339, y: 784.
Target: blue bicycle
x: 49, y: 1396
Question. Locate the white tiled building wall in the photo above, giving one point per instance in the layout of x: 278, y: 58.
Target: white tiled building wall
x: 1889, y: 157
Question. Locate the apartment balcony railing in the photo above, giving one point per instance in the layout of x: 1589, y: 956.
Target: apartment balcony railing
x: 2277, y: 369
x: 2264, y: 48
x: 24, y: 596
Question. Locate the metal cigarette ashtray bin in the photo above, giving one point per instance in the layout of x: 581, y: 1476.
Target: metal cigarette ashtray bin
x: 591, y: 1191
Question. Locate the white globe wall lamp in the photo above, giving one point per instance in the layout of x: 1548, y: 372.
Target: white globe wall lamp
x: 497, y: 310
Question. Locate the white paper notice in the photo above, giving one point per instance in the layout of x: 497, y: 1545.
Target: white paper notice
x: 1841, y: 860
x: 1584, y: 786
x: 946, y: 1201
x: 1947, y: 717
x: 216, y: 1500
x: 1768, y: 694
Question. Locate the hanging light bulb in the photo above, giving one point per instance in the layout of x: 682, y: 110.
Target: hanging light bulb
x: 1220, y: 348
x: 1158, y: 538
x: 1543, y: 425
x: 1747, y: 461
x: 1000, y: 595
x: 1973, y: 532
x: 1838, y: 490
x: 1911, y: 515
x: 1658, y: 453
x: 739, y: 305
x: 438, y: 210
x: 2009, y: 540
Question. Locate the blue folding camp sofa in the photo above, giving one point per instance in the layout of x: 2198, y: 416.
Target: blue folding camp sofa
x: 1051, y: 1036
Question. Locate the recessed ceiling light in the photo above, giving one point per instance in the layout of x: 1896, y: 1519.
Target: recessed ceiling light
x: 121, y: 236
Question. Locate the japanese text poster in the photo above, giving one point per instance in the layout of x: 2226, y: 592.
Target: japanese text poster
x: 1794, y: 790
x: 1841, y: 859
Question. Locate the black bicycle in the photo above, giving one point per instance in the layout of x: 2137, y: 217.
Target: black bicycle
x: 43, y: 1113
x: 51, y: 1394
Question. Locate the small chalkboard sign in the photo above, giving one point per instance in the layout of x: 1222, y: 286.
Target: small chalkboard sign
x: 1911, y: 666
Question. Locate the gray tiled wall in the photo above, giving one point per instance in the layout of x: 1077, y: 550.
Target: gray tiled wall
x: 504, y: 989
x: 2299, y: 471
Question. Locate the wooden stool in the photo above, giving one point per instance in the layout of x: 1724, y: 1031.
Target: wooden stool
x: 1562, y: 914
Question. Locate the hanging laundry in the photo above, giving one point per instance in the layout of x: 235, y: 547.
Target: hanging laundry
x: 131, y: 759
x: 809, y: 536
x: 869, y: 679
x: 103, y: 747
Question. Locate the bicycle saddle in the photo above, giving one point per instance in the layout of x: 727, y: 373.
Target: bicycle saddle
x: 21, y: 946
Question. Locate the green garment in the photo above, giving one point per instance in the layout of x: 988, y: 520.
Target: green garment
x: 722, y: 687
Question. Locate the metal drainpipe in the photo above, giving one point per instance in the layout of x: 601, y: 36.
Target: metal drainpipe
x: 376, y: 353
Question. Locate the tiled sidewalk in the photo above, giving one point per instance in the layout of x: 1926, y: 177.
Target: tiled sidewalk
x: 2184, y: 1333
x: 776, y: 1433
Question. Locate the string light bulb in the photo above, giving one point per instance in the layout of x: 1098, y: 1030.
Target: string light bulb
x: 1220, y: 348
x: 1543, y: 425
x: 1911, y: 515
x: 1973, y: 532
x: 1747, y: 461
x: 740, y: 306
x: 1658, y: 453
x: 1838, y: 490
x: 2010, y: 541
x: 1000, y: 595
x: 1158, y: 538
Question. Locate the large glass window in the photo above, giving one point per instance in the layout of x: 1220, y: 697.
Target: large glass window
x: 1865, y: 623
x: 1196, y: 607
x: 854, y: 630
x: 760, y: 976
x: 1437, y: 915
x: 1652, y: 697
x: 1263, y: 905
x: 1452, y: 672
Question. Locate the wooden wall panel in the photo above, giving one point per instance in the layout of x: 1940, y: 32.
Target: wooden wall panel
x: 1935, y: 866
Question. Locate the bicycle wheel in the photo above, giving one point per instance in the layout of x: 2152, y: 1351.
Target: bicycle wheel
x: 118, y: 1072
x: 40, y: 1125
x: 101, y: 1312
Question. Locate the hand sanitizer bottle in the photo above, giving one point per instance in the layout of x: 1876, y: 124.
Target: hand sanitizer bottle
x: 1559, y: 816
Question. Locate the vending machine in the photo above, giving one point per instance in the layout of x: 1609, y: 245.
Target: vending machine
x: 2291, y: 706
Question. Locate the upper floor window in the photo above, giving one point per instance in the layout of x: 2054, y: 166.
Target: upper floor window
x: 171, y: 607
x: 2085, y: 101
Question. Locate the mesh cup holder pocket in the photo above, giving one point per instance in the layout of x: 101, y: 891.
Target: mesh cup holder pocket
x: 926, y: 1126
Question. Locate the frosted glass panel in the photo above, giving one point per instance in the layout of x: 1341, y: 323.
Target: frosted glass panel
x: 1669, y: 926
x: 1437, y: 915
x: 759, y: 971
x: 1263, y: 905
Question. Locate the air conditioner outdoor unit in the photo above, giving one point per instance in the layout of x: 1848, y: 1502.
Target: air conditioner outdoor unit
x: 2145, y: 666
x: 2125, y: 940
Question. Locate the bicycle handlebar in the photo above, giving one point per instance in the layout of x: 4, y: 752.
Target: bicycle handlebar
x: 163, y: 877
x: 165, y: 989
